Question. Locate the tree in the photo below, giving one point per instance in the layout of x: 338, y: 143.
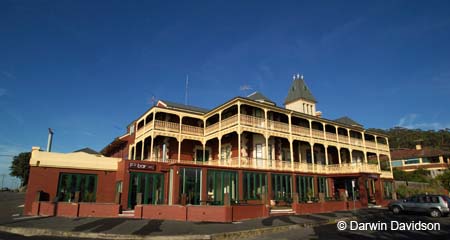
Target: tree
x: 444, y: 179
x: 20, y: 167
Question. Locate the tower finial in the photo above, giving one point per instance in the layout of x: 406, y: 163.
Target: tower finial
x: 301, y: 77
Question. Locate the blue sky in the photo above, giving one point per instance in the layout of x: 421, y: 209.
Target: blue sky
x: 89, y: 68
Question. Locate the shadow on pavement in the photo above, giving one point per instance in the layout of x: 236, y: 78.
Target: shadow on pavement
x: 151, y: 227
x: 100, y: 225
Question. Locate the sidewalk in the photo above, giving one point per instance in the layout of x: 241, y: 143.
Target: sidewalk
x: 128, y: 228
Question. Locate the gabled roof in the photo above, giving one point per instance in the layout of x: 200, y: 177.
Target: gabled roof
x: 180, y: 106
x: 299, y: 90
x: 348, y: 121
x: 414, y: 153
x: 88, y: 150
x: 259, y: 97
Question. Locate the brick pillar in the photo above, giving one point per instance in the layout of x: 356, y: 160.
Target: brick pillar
x: 175, y: 185
x: 204, y: 193
x: 379, y: 191
x: 241, y: 184
x: 316, y: 187
x: 269, y: 188
x: 362, y: 190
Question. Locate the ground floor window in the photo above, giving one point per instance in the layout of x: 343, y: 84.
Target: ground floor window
x: 77, y: 187
x: 145, y: 188
x: 322, y: 186
x: 305, y: 188
x: 387, y: 187
x: 190, y: 182
x: 282, y: 187
x: 221, y: 183
x: 255, y: 184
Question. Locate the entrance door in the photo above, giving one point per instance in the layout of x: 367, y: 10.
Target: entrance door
x: 221, y: 183
x: 145, y: 188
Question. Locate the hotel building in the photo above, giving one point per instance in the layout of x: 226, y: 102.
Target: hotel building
x: 246, y: 158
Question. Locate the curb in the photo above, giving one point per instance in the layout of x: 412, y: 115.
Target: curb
x: 268, y: 230
x: 54, y: 233
x: 217, y: 236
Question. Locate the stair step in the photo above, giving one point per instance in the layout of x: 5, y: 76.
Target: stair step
x: 127, y: 215
x: 286, y: 211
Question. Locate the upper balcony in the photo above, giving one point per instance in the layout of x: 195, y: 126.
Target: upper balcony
x: 261, y: 120
x: 278, y: 165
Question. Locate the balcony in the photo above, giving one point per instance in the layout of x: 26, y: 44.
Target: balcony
x: 252, y: 121
x: 277, y: 165
x: 278, y: 126
x: 356, y: 141
x: 300, y: 130
x: 343, y: 138
x: 228, y: 122
x: 212, y: 128
x: 371, y: 144
x: 167, y: 126
x: 387, y: 174
x: 317, y: 133
x: 187, y: 129
x: 331, y: 136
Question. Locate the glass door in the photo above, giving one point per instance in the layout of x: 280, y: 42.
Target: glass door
x: 145, y: 188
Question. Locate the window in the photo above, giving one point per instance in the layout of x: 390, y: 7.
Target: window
x: 220, y: 183
x: 322, y: 185
x: 255, y: 184
x: 305, y: 188
x: 77, y: 187
x: 189, y: 179
x: 281, y: 187
x: 412, y: 161
x: 259, y: 153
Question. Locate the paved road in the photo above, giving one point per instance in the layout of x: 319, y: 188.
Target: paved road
x: 11, y: 206
x: 330, y: 231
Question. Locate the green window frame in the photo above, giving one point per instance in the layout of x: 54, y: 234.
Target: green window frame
x: 219, y: 183
x: 322, y: 185
x: 71, y: 183
x: 190, y: 183
x: 255, y: 184
x: 305, y: 188
x: 150, y: 185
x: 282, y: 187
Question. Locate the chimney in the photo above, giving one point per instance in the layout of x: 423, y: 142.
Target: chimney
x: 319, y: 114
x: 50, y: 139
x: 418, y: 146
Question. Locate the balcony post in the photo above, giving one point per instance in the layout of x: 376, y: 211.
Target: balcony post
x: 204, y: 153
x: 239, y: 148
x: 267, y: 149
x: 310, y: 128
x: 143, y: 147
x: 220, y: 147
x: 266, y: 121
x: 378, y: 161
x: 239, y: 132
x: 292, y: 153
x: 312, y: 154
x: 339, y: 156
x: 348, y: 136
x: 151, y: 147
x: 134, y: 152
x: 179, y: 148
x: 154, y: 118
x: 326, y: 154
x: 351, y: 154
x: 220, y: 121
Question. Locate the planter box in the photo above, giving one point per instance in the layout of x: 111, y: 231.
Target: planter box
x: 67, y: 209
x: 98, y: 210
x: 209, y: 213
x: 241, y: 212
x: 164, y: 212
